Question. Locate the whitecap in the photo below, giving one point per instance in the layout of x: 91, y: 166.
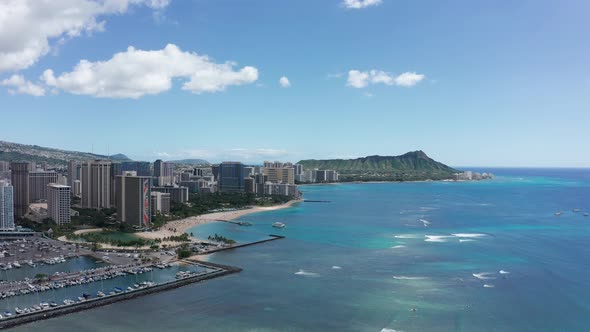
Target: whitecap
x: 483, y: 276
x: 336, y: 267
x: 390, y: 330
x: 488, y: 286
x: 425, y: 222
x: 466, y: 240
x: 398, y: 247
x: 408, y: 236
x: 408, y: 278
x: 307, y: 274
x: 436, y: 238
x: 504, y: 272
x: 468, y: 235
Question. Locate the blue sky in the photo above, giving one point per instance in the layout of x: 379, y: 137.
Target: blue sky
x: 475, y: 83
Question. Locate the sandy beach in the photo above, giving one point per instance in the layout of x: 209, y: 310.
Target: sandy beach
x: 178, y: 227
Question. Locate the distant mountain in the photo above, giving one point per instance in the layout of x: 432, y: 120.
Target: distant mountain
x: 190, y: 162
x: 414, y: 165
x: 53, y: 157
x: 120, y: 157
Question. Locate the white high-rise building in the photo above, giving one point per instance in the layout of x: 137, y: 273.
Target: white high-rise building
x: 58, y: 203
x: 6, y: 206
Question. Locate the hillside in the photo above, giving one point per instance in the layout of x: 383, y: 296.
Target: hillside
x: 414, y: 165
x: 54, y: 157
x: 193, y: 162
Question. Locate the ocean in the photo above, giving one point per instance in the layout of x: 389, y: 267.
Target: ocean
x: 421, y: 256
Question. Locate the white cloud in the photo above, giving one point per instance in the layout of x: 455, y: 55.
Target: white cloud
x: 358, y: 4
x: 358, y: 79
x: 18, y: 84
x: 408, y: 79
x: 29, y: 27
x: 361, y: 79
x: 284, y: 82
x: 135, y: 73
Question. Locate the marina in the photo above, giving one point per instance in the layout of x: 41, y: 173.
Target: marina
x: 102, y: 289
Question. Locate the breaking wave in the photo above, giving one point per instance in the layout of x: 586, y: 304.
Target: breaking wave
x: 306, y: 273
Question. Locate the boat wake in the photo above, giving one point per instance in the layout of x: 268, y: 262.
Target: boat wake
x: 468, y: 235
x: 409, y: 278
x: 398, y: 247
x: 488, y: 286
x: 466, y: 240
x: 306, y: 273
x: 504, y: 272
x: 484, y: 276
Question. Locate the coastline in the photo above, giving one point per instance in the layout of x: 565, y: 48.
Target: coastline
x: 178, y: 227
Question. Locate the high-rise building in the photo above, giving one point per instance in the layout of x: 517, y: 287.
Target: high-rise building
x: 231, y: 177
x: 20, y: 183
x: 163, y: 173
x: 38, y: 182
x: 249, y: 185
x: 134, y: 200
x: 177, y: 194
x: 280, y: 175
x: 259, y: 181
x: 58, y: 203
x: 6, y: 206
x: 141, y: 167
x: 74, y: 169
x: 160, y: 203
x: 298, y: 169
x: 77, y: 188
x: 283, y: 189
x: 96, y: 184
x: 248, y: 171
x: 4, y: 170
x: 215, y: 172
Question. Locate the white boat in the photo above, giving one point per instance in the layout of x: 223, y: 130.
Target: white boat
x: 16, y: 264
x: 278, y: 225
x: 558, y: 213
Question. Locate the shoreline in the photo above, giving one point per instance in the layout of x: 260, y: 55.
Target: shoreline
x: 409, y: 181
x: 178, y: 227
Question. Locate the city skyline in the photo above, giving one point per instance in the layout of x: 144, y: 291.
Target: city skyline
x: 470, y: 84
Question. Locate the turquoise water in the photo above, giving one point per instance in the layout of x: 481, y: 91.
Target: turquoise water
x: 364, y: 261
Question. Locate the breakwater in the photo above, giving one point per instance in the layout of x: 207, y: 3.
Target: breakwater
x: 272, y: 238
x: 219, y: 271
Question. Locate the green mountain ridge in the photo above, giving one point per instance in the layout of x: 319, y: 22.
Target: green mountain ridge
x: 55, y: 157
x: 415, y: 165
